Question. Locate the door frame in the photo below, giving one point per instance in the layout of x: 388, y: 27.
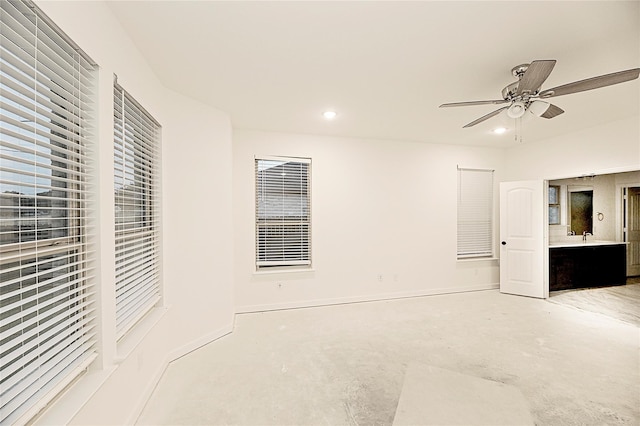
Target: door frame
x: 620, y: 234
x: 621, y: 202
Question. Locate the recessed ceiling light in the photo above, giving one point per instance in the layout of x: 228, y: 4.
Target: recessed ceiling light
x: 499, y: 130
x: 329, y: 115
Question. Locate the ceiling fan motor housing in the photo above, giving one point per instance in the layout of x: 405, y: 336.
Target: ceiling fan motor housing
x: 519, y: 70
x: 509, y: 92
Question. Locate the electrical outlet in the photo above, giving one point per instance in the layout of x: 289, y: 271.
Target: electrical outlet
x: 379, y: 277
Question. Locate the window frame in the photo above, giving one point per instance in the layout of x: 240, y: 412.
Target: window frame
x: 47, y: 282
x: 475, y: 214
x: 137, y: 154
x: 296, y: 252
x: 556, y: 205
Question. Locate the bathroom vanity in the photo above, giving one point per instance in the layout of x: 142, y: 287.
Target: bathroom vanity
x: 586, y: 264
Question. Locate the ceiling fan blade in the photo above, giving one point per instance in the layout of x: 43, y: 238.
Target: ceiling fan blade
x: 592, y: 83
x: 536, y: 74
x: 471, y: 103
x: 552, y: 111
x: 485, y: 117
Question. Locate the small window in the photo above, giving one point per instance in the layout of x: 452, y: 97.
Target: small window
x: 475, y: 213
x: 554, y: 205
x: 283, y: 212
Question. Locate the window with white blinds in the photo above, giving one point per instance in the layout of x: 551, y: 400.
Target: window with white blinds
x: 137, y: 210
x: 47, y: 313
x: 283, y: 216
x: 475, y: 213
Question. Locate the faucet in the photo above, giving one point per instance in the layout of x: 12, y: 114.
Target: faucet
x: 584, y: 235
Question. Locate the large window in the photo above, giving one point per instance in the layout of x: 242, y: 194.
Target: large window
x: 46, y: 309
x: 475, y: 213
x: 283, y: 217
x: 137, y: 210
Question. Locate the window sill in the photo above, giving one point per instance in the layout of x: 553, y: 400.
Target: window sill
x: 135, y: 336
x: 478, y: 259
x: 284, y: 271
x: 62, y: 410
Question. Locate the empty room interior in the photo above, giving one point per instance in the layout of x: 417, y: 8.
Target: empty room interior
x: 320, y: 212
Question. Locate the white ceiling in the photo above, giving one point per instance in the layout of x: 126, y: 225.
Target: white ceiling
x: 386, y: 66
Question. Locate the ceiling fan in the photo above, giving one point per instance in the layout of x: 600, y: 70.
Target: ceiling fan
x: 526, y: 94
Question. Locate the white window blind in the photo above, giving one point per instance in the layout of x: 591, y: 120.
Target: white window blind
x: 137, y: 210
x: 475, y: 213
x: 283, y: 217
x: 47, y: 328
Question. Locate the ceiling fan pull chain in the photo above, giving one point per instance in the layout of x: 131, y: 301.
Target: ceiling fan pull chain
x: 520, y: 128
x: 518, y: 136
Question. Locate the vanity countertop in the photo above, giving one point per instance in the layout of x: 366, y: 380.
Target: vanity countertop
x: 580, y: 243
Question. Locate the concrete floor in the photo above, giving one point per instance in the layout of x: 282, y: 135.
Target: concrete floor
x: 353, y: 365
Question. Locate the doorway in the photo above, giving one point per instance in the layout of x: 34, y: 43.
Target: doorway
x: 612, y: 215
x: 631, y: 228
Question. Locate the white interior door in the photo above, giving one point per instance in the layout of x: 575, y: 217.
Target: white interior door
x: 633, y: 231
x: 522, y: 250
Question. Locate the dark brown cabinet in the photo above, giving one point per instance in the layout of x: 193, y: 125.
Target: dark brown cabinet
x: 587, y: 266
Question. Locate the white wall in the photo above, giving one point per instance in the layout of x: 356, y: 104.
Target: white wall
x: 378, y: 208
x: 609, y: 148
x: 197, y: 261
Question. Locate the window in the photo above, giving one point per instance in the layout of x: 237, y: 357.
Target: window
x: 47, y: 320
x: 137, y: 210
x: 554, y: 205
x: 475, y: 213
x: 283, y: 217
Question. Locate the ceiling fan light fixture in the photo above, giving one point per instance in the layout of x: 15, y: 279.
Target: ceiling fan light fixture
x: 538, y: 108
x: 499, y: 130
x: 516, y: 110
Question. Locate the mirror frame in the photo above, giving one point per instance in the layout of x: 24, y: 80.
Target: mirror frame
x: 578, y: 188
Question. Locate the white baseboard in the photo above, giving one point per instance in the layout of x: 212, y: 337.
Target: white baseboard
x: 172, y: 356
x: 200, y: 342
x: 365, y: 298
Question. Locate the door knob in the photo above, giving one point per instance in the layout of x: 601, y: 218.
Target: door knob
x: 504, y: 243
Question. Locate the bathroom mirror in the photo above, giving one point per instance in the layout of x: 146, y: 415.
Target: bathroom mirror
x: 580, y: 209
